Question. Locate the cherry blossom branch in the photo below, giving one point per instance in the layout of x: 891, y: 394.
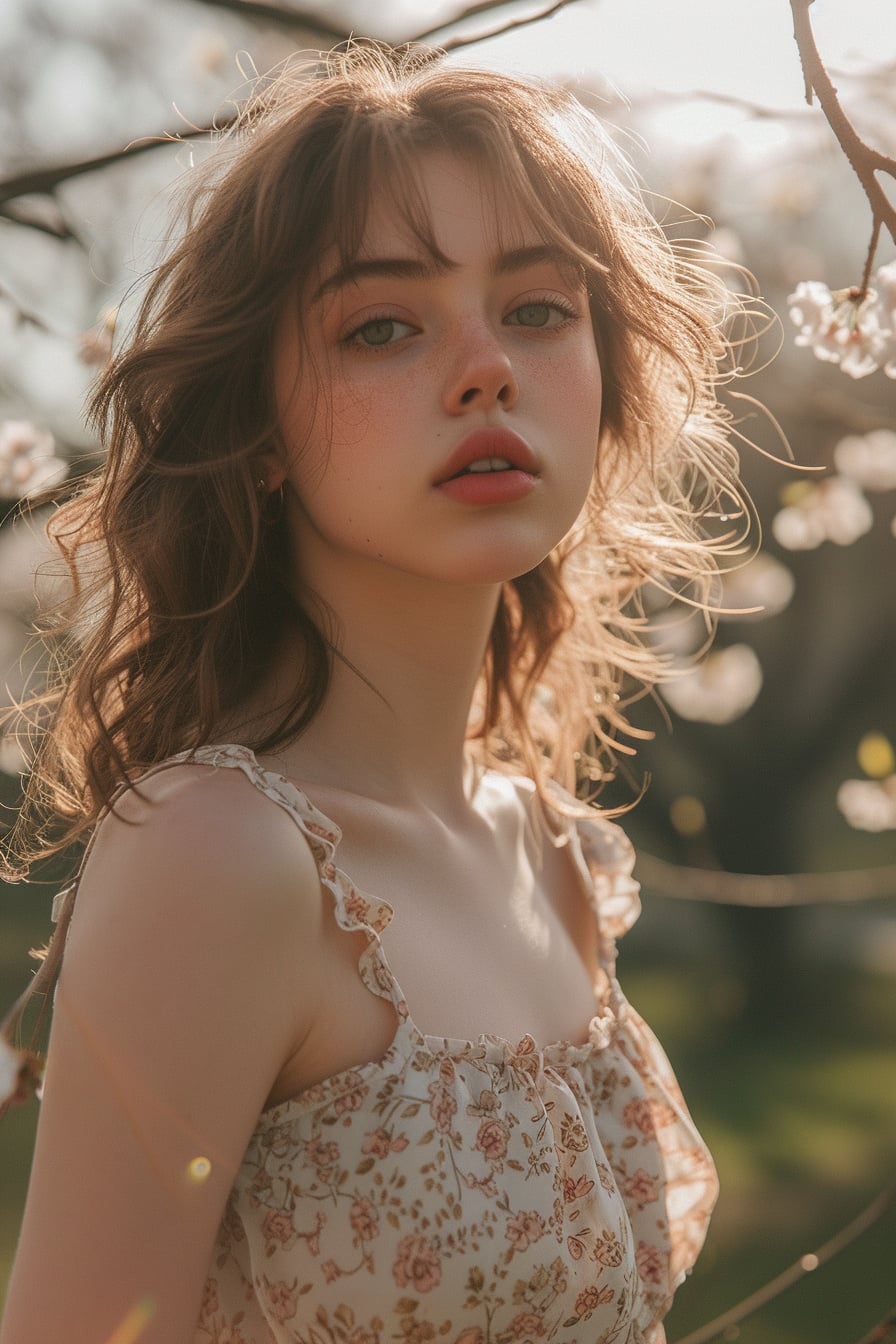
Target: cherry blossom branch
x: 807, y: 1264
x: 864, y: 160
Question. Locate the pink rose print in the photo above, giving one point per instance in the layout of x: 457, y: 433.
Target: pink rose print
x: 209, y: 1298
x: 472, y: 1335
x: 282, y: 1299
x: 356, y: 906
x: 278, y: 1227
x: 377, y: 1142
x: 234, y: 1335
x: 492, y: 1138
x: 321, y: 1154
x: 418, y: 1265
x: 486, y: 1105
x: 331, y: 1270
x: 591, y: 1298
x: 354, y: 1099
x: 648, y: 1116
x: 524, y: 1229
x: 649, y: 1262
x: 608, y: 1250
x: 442, y: 1106
x: 641, y: 1187
x: 381, y: 975
x: 572, y: 1134
x: 526, y: 1325
x: 364, y: 1220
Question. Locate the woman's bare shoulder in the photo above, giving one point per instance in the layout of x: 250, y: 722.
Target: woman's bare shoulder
x: 198, y: 859
x: 201, y: 825
x: 191, y: 974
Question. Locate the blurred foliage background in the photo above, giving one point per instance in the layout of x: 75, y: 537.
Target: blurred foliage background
x: 774, y: 756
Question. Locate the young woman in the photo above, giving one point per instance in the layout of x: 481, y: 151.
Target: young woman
x: 419, y: 403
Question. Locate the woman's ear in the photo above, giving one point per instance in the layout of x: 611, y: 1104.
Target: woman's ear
x: 271, y: 468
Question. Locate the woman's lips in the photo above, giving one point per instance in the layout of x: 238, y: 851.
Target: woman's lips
x: 516, y: 474
x: 489, y: 487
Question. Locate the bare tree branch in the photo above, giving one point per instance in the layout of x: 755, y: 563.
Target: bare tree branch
x: 282, y: 16
x: 45, y: 180
x: 864, y: 160
x: 58, y: 228
x: 718, y: 887
x: 805, y: 1265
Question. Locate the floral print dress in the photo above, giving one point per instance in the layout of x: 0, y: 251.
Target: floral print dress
x: 471, y: 1192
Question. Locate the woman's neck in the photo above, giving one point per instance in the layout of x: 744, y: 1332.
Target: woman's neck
x: 393, y: 725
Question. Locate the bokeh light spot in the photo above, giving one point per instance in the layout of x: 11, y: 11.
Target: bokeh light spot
x: 688, y: 815
x: 876, y: 756
x: 198, y: 1170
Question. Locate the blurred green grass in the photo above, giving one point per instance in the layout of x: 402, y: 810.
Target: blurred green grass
x: 802, y: 1123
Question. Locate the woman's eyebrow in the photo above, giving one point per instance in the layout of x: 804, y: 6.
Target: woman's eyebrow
x: 537, y: 254
x: 424, y: 268
x: 401, y: 268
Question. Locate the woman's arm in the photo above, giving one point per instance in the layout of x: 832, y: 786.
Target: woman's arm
x: 187, y: 982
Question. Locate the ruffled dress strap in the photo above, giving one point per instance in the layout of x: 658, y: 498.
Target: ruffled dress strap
x: 354, y: 911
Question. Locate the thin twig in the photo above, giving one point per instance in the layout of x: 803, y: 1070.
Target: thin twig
x: 805, y: 1265
x: 864, y: 160
x: 455, y: 43
x: 468, y: 12
x: 765, y: 889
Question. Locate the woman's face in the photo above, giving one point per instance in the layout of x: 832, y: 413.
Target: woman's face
x: 447, y: 425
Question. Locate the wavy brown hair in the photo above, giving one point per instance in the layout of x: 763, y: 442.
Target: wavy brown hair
x: 179, y: 563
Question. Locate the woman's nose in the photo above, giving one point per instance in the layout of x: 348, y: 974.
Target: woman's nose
x: 483, y: 377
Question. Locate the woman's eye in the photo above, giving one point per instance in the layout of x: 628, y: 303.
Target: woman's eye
x: 379, y: 331
x: 541, y: 314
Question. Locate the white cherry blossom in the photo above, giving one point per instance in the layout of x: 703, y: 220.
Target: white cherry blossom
x: 869, y: 804
x: 13, y: 760
x: 720, y: 689
x: 868, y: 459
x: 885, y: 284
x: 10, y: 1069
x: 849, y: 328
x: 27, y: 461
x: 834, y: 510
x: 763, y: 587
